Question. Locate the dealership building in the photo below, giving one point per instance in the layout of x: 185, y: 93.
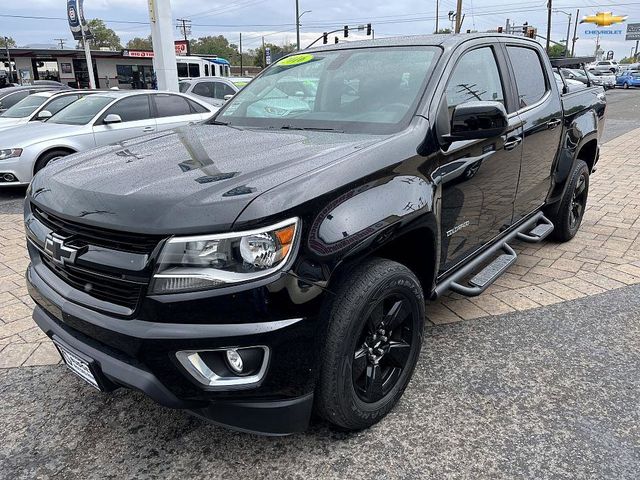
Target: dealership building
x: 111, y: 68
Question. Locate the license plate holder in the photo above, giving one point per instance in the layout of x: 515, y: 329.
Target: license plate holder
x: 81, y: 365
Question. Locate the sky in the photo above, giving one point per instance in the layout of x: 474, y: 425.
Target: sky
x: 275, y: 19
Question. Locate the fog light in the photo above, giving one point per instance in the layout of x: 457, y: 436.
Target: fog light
x: 9, y: 177
x: 235, y: 361
x: 226, y: 368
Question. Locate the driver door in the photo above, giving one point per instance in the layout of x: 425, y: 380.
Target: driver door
x: 135, y: 113
x: 479, y: 178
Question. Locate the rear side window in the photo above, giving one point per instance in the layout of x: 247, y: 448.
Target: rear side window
x: 184, y: 86
x: 529, y: 75
x: 204, y: 89
x: 131, y: 109
x: 171, y: 105
x: 196, y: 107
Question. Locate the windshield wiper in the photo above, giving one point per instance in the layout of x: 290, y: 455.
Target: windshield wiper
x: 317, y: 129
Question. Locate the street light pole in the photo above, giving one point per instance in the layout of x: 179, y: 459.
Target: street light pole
x: 575, y: 33
x: 298, y: 25
x: 437, y: 14
x: 566, y: 50
x: 549, y: 5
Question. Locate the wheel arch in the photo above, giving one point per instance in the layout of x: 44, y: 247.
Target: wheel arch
x: 64, y: 148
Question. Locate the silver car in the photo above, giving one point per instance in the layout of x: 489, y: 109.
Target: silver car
x: 39, y: 106
x: 95, y: 120
x: 213, y: 90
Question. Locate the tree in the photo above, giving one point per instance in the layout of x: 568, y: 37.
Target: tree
x: 103, y: 36
x: 214, y: 45
x: 277, y: 51
x: 138, y: 43
x: 444, y: 31
x: 9, y: 42
x: 556, y: 51
x: 627, y: 60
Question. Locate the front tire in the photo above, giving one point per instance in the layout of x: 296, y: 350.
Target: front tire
x: 47, y: 157
x: 625, y: 86
x: 568, y: 217
x: 372, y: 344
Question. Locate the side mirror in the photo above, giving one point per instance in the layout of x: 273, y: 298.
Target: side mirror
x: 112, y: 118
x: 44, y: 115
x: 476, y: 120
x: 228, y: 97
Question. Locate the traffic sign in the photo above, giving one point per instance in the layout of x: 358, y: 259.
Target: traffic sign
x: 267, y: 55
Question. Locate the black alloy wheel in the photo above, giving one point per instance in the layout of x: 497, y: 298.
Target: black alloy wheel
x: 578, y: 202
x: 374, y: 334
x: 383, y: 348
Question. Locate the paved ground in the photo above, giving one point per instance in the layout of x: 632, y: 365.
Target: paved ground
x: 605, y: 254
x: 547, y: 393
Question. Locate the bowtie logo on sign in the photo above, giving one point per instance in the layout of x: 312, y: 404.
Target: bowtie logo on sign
x: 600, y: 25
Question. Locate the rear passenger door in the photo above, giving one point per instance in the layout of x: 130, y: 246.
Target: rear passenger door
x: 540, y: 111
x: 478, y: 177
x: 137, y: 120
x: 173, y: 111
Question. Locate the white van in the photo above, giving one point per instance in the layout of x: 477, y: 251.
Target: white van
x: 194, y: 67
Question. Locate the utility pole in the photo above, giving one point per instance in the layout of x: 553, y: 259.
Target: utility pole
x: 575, y: 33
x: 637, y: 41
x: 61, y: 42
x: 548, y: 23
x: 507, y: 27
x: 6, y: 44
x: 185, y: 28
x: 437, y: 15
x: 241, y: 54
x: 458, y: 16
x: 264, y: 53
x: 298, y: 25
x: 566, y: 49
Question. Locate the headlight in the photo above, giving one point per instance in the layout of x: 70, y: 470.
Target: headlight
x: 213, y: 261
x: 10, y: 153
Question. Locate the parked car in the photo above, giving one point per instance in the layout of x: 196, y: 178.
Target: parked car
x: 606, y: 81
x: 11, y: 95
x: 571, y: 85
x: 629, y: 78
x: 39, y: 106
x: 53, y: 83
x: 255, y: 268
x: 95, y: 120
x: 213, y: 90
x: 605, y: 66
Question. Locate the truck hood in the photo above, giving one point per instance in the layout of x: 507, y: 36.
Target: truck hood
x: 24, y: 134
x: 194, y: 179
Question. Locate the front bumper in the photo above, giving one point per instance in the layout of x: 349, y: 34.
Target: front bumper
x: 21, y: 168
x: 140, y: 355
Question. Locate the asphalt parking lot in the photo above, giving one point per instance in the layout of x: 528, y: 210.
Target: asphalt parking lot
x: 524, y: 390
x: 548, y: 393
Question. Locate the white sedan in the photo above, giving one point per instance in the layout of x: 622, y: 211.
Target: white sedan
x: 39, y: 106
x: 95, y: 120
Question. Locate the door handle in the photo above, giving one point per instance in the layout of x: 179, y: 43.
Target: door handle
x: 512, y: 143
x: 148, y: 129
x: 553, y: 123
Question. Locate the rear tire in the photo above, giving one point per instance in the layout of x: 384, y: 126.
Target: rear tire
x: 568, y: 217
x: 372, y: 344
x: 47, y: 157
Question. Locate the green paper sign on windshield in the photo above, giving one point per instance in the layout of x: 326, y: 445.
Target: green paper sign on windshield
x: 295, y: 60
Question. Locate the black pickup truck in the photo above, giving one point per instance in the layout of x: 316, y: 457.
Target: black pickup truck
x: 275, y: 261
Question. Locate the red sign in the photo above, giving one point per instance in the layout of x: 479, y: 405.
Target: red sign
x: 182, y: 47
x: 137, y: 53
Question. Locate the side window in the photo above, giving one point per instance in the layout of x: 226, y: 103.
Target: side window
x: 196, y: 107
x: 475, y: 78
x: 194, y: 70
x: 54, y: 106
x: 171, y: 105
x: 204, y: 89
x: 206, y: 70
x: 530, y: 78
x: 223, y: 89
x: 10, y: 100
x: 183, y: 71
x: 131, y: 109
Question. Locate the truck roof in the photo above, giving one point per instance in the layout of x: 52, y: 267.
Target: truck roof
x: 444, y: 40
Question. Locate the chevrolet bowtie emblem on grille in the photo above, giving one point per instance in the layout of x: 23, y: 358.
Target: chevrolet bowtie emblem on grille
x: 60, y: 253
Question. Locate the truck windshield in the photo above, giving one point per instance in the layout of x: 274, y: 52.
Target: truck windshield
x: 373, y: 90
x: 81, y: 111
x: 25, y: 107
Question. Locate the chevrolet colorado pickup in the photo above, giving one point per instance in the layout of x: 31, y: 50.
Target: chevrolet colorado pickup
x: 274, y: 261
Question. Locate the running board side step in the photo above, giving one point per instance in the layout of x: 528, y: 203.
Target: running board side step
x: 534, y: 230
